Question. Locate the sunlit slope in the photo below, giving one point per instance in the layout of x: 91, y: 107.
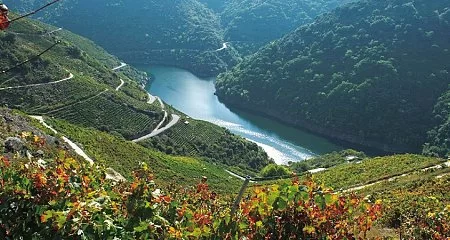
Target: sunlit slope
x: 75, y: 80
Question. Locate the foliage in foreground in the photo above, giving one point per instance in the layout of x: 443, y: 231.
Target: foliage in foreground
x: 64, y: 198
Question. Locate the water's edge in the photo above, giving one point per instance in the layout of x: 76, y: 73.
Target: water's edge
x: 195, y: 97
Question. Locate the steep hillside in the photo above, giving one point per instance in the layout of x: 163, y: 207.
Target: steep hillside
x: 75, y: 81
x: 48, y: 191
x: 183, y: 33
x: 250, y: 24
x: 369, y: 73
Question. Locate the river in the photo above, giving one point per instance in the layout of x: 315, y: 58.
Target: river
x: 195, y: 97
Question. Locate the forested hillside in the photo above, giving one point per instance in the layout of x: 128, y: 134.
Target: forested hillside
x: 250, y: 24
x: 74, y: 80
x: 368, y: 73
x: 186, y: 34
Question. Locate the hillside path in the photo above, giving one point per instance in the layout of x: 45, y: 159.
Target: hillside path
x: 151, y: 99
x: 75, y: 147
x: 56, y: 30
x: 224, y: 46
x: 122, y: 64
x: 356, y: 188
x: 121, y: 84
x: 237, y: 176
x: 39, y: 84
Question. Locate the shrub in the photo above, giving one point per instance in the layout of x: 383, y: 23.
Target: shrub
x: 66, y: 199
x: 274, y: 170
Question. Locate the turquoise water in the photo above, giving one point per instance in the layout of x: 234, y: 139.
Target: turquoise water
x: 195, y: 97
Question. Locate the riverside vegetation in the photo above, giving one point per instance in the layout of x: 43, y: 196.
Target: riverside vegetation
x: 356, y: 74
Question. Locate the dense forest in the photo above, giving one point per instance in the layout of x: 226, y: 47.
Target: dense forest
x: 186, y: 34
x: 250, y: 24
x: 368, y: 73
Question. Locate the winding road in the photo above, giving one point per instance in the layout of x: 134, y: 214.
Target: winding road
x: 75, y: 147
x: 151, y: 99
x: 122, y: 64
x: 39, y: 84
x: 121, y: 84
x: 158, y: 130
x: 224, y: 46
x: 161, y: 102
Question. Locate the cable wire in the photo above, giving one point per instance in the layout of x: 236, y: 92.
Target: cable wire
x: 30, y: 59
x: 32, y: 12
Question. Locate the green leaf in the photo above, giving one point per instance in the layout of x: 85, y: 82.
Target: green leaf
x: 197, y: 232
x: 304, y: 196
x: 320, y: 201
x: 243, y: 225
x: 259, y: 224
x: 143, y: 226
x: 309, y: 229
x: 280, y: 204
x: 329, y: 199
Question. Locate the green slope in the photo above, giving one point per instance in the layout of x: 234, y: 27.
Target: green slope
x: 92, y: 79
x: 125, y: 156
x: 368, y: 73
x: 90, y: 98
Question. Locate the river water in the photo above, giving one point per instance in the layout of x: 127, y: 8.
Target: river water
x: 195, y: 97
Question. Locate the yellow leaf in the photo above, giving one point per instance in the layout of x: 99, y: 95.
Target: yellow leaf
x: 259, y: 224
x: 309, y: 229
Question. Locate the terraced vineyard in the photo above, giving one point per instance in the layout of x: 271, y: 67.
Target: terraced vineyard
x: 92, y: 98
x: 105, y: 114
x: 37, y: 100
x: 199, y: 138
x: 375, y: 169
x: 125, y: 156
x: 187, y: 138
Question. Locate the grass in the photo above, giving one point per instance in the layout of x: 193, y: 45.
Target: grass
x: 375, y: 169
x: 124, y: 156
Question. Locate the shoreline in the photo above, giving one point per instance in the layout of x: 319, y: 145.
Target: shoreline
x: 335, y: 138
